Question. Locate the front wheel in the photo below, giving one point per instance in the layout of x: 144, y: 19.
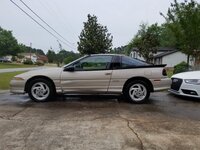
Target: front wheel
x: 137, y: 91
x: 41, y: 90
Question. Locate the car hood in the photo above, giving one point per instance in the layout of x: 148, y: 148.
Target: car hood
x: 53, y: 73
x: 188, y: 75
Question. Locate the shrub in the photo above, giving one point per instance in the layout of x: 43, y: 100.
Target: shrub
x: 28, y: 62
x: 13, y: 58
x: 181, y: 67
x: 38, y: 63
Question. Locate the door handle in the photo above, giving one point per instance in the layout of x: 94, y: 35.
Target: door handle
x: 107, y: 74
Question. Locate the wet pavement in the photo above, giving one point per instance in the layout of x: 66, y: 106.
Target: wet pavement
x: 99, y: 122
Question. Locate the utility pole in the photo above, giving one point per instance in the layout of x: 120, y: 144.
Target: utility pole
x: 60, y: 45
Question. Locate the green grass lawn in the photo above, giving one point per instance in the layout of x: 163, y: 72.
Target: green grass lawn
x: 5, y: 79
x: 11, y: 65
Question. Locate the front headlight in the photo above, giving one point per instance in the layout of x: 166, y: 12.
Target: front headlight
x: 17, y: 78
x: 192, y: 81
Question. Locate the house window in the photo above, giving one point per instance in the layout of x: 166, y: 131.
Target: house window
x: 134, y: 55
x: 160, y: 61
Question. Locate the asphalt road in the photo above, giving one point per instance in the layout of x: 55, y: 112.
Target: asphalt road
x: 99, y: 123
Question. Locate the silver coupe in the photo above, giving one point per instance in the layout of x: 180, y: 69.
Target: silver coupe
x: 94, y: 74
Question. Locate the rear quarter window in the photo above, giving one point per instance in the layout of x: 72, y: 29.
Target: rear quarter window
x: 127, y: 62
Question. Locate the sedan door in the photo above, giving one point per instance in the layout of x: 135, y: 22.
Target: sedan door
x: 88, y: 75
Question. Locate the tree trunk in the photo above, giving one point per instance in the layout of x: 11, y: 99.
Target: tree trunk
x: 196, y: 65
x: 188, y: 60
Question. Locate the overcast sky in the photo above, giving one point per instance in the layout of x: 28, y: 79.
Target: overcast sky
x: 122, y: 18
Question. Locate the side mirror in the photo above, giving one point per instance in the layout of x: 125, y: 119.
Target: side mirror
x: 70, y: 69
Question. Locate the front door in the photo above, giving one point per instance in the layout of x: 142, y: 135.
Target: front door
x: 90, y: 75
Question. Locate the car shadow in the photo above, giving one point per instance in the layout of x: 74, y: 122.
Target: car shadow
x: 25, y: 100
x: 96, y: 98
x: 86, y: 98
x: 185, y: 98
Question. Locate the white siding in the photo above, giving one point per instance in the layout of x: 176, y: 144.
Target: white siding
x: 135, y: 54
x: 171, y: 60
x: 174, y: 59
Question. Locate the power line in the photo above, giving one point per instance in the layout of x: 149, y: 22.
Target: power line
x: 41, y: 25
x: 59, y: 17
x: 44, y: 21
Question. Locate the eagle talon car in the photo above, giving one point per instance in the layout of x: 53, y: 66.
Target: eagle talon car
x: 186, y: 84
x: 94, y: 74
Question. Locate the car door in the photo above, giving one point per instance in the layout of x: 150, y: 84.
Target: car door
x: 89, y: 75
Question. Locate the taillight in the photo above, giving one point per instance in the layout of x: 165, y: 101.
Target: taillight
x: 164, y: 72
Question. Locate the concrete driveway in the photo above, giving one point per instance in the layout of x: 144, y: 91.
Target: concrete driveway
x: 101, y: 123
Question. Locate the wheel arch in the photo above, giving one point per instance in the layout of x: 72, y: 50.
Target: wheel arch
x: 38, y: 77
x: 147, y: 81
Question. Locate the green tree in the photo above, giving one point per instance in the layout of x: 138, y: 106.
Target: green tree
x: 28, y: 49
x: 147, y: 41
x: 167, y: 37
x: 8, y: 43
x: 66, y: 56
x: 94, y: 38
x: 62, y: 57
x: 71, y: 58
x: 51, y: 56
x: 184, y: 21
x: 119, y: 50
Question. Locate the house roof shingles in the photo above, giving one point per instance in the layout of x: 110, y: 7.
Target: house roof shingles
x: 165, y: 51
x: 165, y: 54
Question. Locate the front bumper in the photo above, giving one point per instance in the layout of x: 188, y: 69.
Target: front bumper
x: 182, y: 94
x: 188, y: 90
x: 17, y: 86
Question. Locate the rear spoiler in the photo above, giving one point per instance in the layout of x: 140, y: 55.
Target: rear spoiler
x: 147, y: 66
x: 144, y: 66
x: 162, y: 65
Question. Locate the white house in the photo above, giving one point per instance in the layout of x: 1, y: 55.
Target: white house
x: 29, y: 56
x: 33, y: 57
x: 9, y: 58
x: 168, y: 56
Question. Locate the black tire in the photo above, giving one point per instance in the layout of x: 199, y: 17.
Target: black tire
x: 142, y: 98
x: 49, y: 85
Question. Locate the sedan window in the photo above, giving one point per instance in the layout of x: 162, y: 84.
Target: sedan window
x: 93, y: 63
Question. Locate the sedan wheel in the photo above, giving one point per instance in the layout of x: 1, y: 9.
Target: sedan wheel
x: 137, y: 92
x: 40, y: 90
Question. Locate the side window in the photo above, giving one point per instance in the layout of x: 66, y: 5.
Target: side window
x: 116, y: 63
x: 131, y: 62
x: 93, y: 63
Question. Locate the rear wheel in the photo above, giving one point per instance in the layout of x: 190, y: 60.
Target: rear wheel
x: 41, y: 90
x: 137, y: 91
